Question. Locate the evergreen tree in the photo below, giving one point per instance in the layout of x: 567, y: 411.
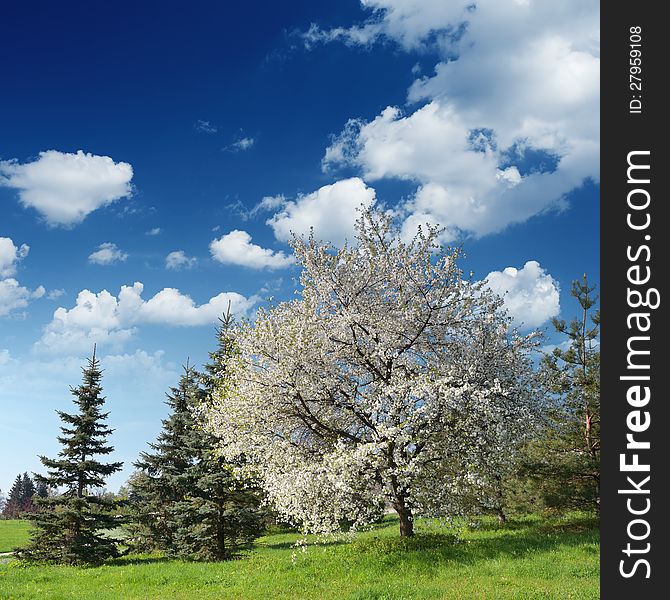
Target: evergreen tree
x: 565, y: 463
x: 41, y: 489
x: 162, y: 478
x: 12, y: 507
x: 221, y: 515
x: 192, y: 503
x: 20, y: 498
x: 68, y: 527
x: 28, y: 490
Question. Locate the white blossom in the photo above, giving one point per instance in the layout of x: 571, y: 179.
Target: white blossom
x: 388, y: 380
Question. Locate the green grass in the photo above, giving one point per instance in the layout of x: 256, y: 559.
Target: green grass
x: 528, y: 558
x: 13, y: 533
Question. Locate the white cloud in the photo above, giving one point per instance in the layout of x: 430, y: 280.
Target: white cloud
x: 205, y: 126
x: 14, y: 296
x: 110, y: 320
x: 235, y: 248
x: 10, y: 255
x: 267, y: 204
x: 133, y: 383
x: 178, y: 260
x: 154, y: 231
x: 107, y: 254
x: 55, y: 294
x: 64, y: 187
x: 241, y: 144
x: 530, y: 294
x: 413, y: 24
x: 331, y: 211
x: 516, y: 79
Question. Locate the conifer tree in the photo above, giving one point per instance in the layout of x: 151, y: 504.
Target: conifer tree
x: 221, y: 515
x: 68, y: 525
x: 565, y: 462
x: 12, y: 507
x: 162, y: 478
x: 190, y: 502
x: 20, y: 498
x: 28, y: 490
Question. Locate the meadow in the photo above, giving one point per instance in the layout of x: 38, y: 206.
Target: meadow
x: 530, y: 557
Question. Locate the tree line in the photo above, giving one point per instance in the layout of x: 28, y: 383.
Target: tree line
x: 390, y: 382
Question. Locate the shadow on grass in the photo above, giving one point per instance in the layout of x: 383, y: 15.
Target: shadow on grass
x: 517, y: 539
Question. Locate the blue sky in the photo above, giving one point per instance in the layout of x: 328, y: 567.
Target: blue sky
x: 155, y: 156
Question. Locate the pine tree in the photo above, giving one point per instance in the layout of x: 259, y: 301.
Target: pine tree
x: 565, y: 464
x: 192, y: 503
x: 41, y: 489
x: 20, y: 498
x: 68, y: 526
x: 12, y: 508
x: 162, y: 478
x: 28, y: 490
x: 221, y: 515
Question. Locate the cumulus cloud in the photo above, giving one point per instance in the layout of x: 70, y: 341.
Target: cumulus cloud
x: 178, y: 260
x: 107, y: 254
x: 415, y: 25
x: 10, y: 255
x: 65, y: 187
x: 14, y: 296
x: 331, y: 211
x: 509, y: 121
x: 55, y: 294
x: 106, y: 319
x: 530, y: 294
x: 235, y: 248
x: 154, y: 231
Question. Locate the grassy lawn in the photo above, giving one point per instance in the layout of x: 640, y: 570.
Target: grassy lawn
x: 528, y: 558
x: 12, y: 534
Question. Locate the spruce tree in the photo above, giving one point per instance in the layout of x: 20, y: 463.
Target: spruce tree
x: 28, y: 490
x: 162, y: 478
x: 565, y: 463
x: 190, y: 502
x: 221, y: 516
x: 12, y: 508
x: 68, y: 526
x: 20, y: 498
x: 223, y: 510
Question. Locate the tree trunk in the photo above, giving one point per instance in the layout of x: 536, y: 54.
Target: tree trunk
x: 502, y: 518
x: 406, y: 519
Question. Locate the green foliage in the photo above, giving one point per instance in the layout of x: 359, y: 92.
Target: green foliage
x: 161, y: 480
x: 68, y: 526
x: 530, y: 557
x: 189, y: 501
x: 564, y: 463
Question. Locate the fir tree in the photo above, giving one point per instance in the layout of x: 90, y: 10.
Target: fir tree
x: 220, y: 517
x: 565, y: 463
x: 20, y: 498
x: 68, y: 526
x: 192, y: 503
x: 12, y: 507
x: 162, y: 478
x: 41, y: 489
x: 28, y: 490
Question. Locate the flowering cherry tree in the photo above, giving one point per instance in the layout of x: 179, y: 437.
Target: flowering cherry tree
x: 389, y: 379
